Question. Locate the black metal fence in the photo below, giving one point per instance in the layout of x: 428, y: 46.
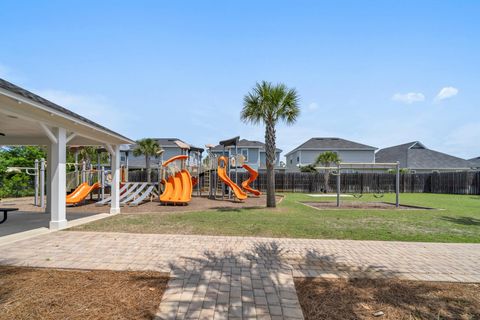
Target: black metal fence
x: 467, y: 182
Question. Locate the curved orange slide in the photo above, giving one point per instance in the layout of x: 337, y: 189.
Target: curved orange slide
x: 178, y: 187
x: 222, y: 174
x: 77, y: 190
x: 81, y: 193
x: 253, y: 177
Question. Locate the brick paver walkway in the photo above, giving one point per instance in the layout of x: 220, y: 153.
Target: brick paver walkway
x: 243, y: 277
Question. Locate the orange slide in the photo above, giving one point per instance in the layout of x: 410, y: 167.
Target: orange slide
x: 178, y: 187
x: 222, y: 174
x: 79, y: 194
x: 253, y: 177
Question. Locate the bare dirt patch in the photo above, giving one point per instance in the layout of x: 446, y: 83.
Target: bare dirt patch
x: 322, y: 205
x: 397, y: 299
x: 32, y: 293
x: 197, y: 204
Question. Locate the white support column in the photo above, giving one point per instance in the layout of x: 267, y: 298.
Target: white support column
x: 116, y: 176
x: 57, y: 167
x: 48, y: 184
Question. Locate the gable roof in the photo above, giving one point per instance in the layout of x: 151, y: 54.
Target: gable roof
x: 8, y: 86
x: 169, y: 143
x: 331, y: 143
x: 244, y: 143
x: 415, y: 155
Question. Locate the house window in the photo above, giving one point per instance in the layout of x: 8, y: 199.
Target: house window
x: 291, y: 161
x: 298, y: 159
x: 245, y: 154
x: 122, y: 158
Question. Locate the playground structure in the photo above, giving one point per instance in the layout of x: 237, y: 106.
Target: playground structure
x: 38, y: 173
x: 81, y: 193
x: 180, y: 177
x: 222, y: 171
x: 252, y: 178
x: 178, y: 184
x: 223, y: 176
x: 378, y: 193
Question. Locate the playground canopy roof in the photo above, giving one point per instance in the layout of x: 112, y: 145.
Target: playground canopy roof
x: 25, y: 119
x: 230, y: 142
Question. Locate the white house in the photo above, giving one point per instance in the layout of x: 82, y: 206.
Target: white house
x: 348, y: 151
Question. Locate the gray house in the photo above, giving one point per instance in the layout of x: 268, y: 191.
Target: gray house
x: 475, y: 162
x: 416, y: 157
x: 171, y: 146
x: 253, y: 151
x: 348, y: 151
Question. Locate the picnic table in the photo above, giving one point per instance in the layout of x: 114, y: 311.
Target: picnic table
x: 5, y: 213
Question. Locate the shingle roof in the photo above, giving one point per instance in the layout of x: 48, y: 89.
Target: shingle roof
x: 331, y: 143
x: 170, y: 143
x: 415, y: 155
x: 244, y: 143
x: 33, y: 97
x: 475, y: 162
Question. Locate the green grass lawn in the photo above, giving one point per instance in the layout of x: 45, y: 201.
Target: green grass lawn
x: 457, y: 221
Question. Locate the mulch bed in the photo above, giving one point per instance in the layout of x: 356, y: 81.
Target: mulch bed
x: 361, y: 205
x: 32, y: 293
x: 196, y: 204
x: 398, y: 299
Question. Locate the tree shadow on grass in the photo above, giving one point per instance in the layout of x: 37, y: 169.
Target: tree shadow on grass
x: 466, y: 221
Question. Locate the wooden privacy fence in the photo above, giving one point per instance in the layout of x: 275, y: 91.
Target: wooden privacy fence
x: 467, y: 182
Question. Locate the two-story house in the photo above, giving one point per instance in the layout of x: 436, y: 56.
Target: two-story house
x: 171, y: 147
x: 253, y: 151
x: 348, y: 151
x: 416, y: 157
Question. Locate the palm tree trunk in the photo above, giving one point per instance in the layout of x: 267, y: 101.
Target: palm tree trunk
x: 270, y: 163
x: 147, y: 165
x: 326, y: 177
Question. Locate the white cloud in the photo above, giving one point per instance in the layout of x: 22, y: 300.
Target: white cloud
x: 313, y: 106
x: 93, y: 107
x: 446, y: 93
x: 408, y: 98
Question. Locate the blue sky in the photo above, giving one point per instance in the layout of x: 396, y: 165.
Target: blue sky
x: 377, y: 72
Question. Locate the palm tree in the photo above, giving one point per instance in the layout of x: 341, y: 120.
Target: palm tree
x: 327, y: 159
x: 267, y: 104
x: 147, y: 147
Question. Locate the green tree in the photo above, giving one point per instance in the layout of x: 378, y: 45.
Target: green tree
x: 149, y: 148
x: 327, y: 159
x: 269, y: 104
x: 308, y: 168
x: 18, y: 183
